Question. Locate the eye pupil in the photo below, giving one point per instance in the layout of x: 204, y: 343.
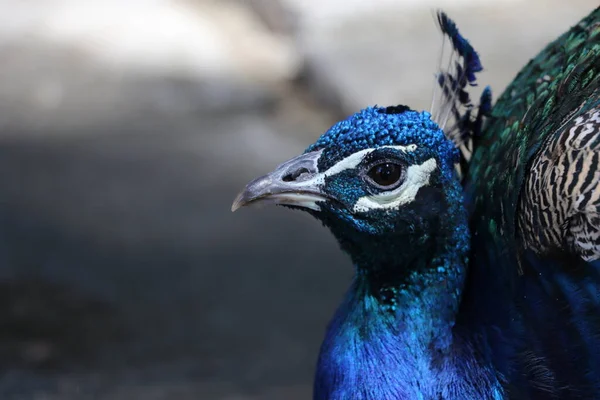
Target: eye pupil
x: 385, y: 174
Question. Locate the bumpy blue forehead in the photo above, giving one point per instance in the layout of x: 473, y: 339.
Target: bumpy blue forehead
x: 374, y: 127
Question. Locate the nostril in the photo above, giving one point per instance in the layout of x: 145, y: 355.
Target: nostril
x: 295, y: 175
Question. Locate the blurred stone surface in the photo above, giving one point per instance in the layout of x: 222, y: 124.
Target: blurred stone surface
x: 126, y: 130
x: 202, y: 56
x: 125, y: 274
x: 359, y: 53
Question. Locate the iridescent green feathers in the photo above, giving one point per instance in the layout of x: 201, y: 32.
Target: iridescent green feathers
x: 552, y: 90
x: 532, y: 296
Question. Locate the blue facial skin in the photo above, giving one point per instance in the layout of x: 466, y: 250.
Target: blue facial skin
x: 395, y: 335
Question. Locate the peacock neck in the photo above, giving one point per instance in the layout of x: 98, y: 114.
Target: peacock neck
x: 392, y: 337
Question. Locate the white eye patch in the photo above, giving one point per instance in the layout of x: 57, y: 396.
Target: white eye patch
x: 353, y: 160
x: 417, y: 176
x: 350, y: 162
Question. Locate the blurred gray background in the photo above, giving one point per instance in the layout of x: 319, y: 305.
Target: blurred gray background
x: 126, y: 130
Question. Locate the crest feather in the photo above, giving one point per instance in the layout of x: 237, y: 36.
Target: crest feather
x: 451, y: 106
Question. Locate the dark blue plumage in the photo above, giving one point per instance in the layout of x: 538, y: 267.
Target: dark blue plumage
x: 476, y: 245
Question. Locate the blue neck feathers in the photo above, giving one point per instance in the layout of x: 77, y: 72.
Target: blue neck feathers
x: 394, y: 335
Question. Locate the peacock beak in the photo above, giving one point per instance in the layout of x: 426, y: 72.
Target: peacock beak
x: 296, y: 182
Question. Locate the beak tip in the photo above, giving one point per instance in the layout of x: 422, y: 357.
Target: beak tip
x: 238, y: 203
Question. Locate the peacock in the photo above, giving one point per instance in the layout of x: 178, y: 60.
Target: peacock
x: 474, y: 232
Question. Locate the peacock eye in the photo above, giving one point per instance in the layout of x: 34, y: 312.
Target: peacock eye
x: 386, y: 175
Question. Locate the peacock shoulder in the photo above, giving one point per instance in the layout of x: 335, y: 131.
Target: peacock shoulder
x: 533, y: 166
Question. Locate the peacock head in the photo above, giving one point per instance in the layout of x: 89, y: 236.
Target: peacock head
x: 382, y: 177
